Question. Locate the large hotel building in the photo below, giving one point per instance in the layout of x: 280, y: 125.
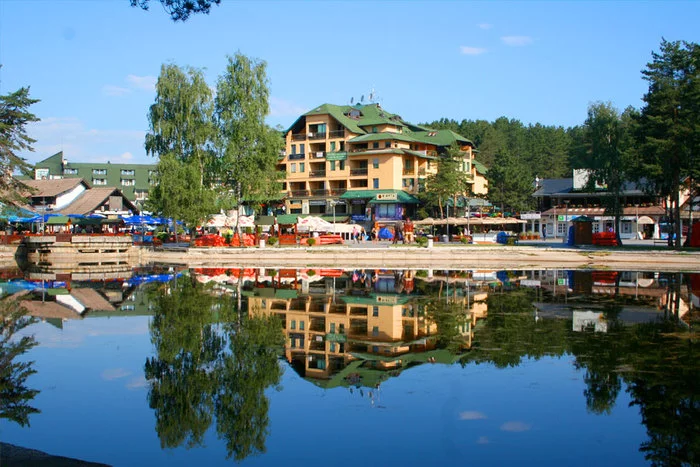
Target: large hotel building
x: 364, y: 162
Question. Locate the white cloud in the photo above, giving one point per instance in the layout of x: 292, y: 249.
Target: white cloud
x: 472, y: 50
x: 133, y: 83
x: 127, y: 156
x: 115, y: 373
x: 482, y: 440
x: 137, y: 383
x: 515, y: 426
x: 284, y: 108
x: 517, y: 41
x: 111, y: 90
x: 144, y: 83
x: 472, y: 415
x: 485, y: 26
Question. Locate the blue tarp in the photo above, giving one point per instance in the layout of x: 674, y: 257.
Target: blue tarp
x: 385, y: 234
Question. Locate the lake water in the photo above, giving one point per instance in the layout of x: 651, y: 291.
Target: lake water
x: 348, y: 367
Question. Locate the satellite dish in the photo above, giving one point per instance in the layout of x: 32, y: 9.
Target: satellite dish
x: 362, y: 99
x: 352, y: 99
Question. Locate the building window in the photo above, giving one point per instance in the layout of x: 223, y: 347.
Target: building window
x: 332, y: 328
x: 375, y: 183
x: 332, y: 146
x: 293, y: 167
x: 374, y: 129
x: 301, y: 325
x: 332, y: 165
x: 128, y: 182
x: 375, y: 311
x: 375, y: 145
x: 151, y: 173
x: 375, y: 331
x: 302, y: 166
x: 293, y: 324
x: 387, y: 144
x: 99, y: 181
x: 301, y: 148
x: 342, y: 165
x: 375, y: 163
x: 375, y: 349
x: 127, y: 171
x: 151, y: 181
x: 332, y: 346
x: 99, y: 171
x: 71, y: 171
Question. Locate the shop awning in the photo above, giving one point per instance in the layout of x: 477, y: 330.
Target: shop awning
x: 287, y: 219
x: 381, y: 196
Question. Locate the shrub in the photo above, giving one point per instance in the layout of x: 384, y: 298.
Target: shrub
x: 311, y: 241
x: 464, y: 240
x: 422, y: 241
x: 272, y: 241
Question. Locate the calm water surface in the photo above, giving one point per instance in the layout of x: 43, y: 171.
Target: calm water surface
x: 275, y: 367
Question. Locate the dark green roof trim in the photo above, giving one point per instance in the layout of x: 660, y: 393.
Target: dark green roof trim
x: 371, y: 195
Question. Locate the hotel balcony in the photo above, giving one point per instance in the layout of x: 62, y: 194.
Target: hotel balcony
x: 358, y: 172
x: 317, y: 154
x: 337, y: 134
x: 317, y: 135
x: 299, y: 137
x: 297, y: 193
x: 319, y: 192
x: 409, y: 171
x: 338, y: 191
x: 296, y: 157
x: 317, y: 174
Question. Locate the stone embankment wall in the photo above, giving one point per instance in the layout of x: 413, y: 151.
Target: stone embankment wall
x: 464, y: 257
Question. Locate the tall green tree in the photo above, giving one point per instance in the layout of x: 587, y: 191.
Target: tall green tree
x: 449, y: 183
x: 14, y: 117
x: 182, y: 135
x: 607, y: 140
x: 510, y: 183
x: 249, y: 147
x: 669, y: 124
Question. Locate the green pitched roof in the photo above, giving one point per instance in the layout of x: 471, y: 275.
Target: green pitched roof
x: 480, y: 168
x: 440, y: 137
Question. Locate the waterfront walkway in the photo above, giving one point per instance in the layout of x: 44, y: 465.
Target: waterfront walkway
x: 549, y: 254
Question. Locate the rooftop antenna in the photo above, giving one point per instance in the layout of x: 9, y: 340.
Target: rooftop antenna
x: 362, y: 99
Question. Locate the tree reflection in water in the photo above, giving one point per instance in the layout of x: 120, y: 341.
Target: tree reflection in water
x: 211, y: 362
x: 657, y: 361
x: 15, y: 396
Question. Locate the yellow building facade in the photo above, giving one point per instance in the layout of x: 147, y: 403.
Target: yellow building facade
x: 363, y: 161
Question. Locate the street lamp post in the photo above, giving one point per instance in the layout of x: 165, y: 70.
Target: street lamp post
x: 566, y: 221
x: 636, y: 215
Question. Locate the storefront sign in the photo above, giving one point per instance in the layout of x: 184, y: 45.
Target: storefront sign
x: 387, y: 197
x: 530, y: 215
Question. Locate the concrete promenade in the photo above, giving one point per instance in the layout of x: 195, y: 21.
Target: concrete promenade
x: 549, y: 254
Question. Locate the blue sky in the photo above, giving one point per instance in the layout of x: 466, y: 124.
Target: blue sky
x: 94, y: 63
